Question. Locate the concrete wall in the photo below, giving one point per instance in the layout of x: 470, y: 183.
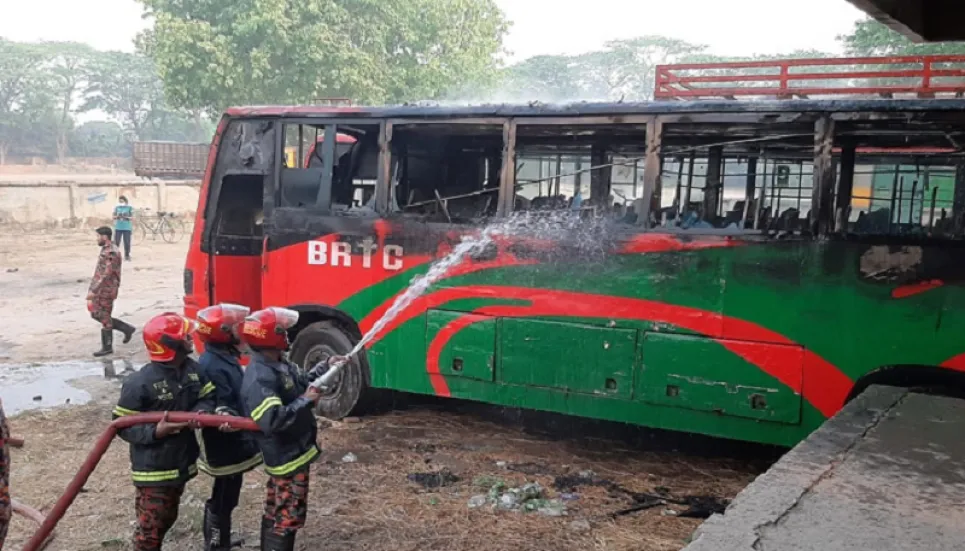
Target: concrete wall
x: 68, y: 203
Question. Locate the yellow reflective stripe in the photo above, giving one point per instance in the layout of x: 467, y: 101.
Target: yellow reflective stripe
x: 161, y: 476
x: 121, y: 412
x: 293, y: 466
x: 263, y: 407
x: 155, y: 476
x: 229, y: 470
x: 207, y: 389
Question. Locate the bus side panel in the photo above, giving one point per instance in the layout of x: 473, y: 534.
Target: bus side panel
x: 566, y: 356
x: 471, y: 350
x: 706, y: 375
x: 238, y: 280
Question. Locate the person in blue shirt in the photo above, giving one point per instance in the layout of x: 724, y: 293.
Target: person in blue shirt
x: 123, y: 215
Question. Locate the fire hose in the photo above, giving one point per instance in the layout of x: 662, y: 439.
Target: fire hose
x: 100, y: 448
x: 39, y: 539
x: 335, y: 364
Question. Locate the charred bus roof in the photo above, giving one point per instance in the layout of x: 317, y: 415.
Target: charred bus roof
x: 610, y: 109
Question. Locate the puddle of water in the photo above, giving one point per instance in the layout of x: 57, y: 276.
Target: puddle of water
x: 25, y: 387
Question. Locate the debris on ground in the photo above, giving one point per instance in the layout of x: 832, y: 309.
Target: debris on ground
x: 699, y: 506
x: 349, y: 458
x: 527, y: 498
x: 434, y: 480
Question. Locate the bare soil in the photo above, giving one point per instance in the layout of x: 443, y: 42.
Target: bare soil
x: 367, y: 504
x: 45, y: 277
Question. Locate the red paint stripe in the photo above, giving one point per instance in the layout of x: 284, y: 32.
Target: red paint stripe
x: 906, y: 291
x: 955, y: 362
x: 661, y: 242
x: 439, y: 384
x: 827, y: 397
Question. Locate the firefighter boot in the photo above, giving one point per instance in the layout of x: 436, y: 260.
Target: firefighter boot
x: 216, y: 530
x: 266, y: 527
x: 123, y: 327
x: 274, y: 542
x: 107, y: 343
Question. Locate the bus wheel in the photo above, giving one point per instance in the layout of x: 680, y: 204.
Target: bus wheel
x: 318, y: 342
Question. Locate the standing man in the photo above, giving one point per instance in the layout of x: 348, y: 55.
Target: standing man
x: 277, y: 397
x: 163, y: 455
x: 5, y: 508
x: 226, y: 454
x: 123, y: 214
x: 103, y: 292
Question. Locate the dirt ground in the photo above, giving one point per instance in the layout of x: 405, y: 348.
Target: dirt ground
x: 365, y: 504
x: 47, y: 275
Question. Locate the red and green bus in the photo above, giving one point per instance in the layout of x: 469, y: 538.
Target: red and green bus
x: 736, y: 269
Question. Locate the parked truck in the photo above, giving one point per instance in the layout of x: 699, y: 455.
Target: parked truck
x: 157, y: 159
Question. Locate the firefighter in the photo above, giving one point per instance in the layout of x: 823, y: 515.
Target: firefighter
x: 277, y: 397
x: 103, y: 292
x: 5, y: 508
x: 225, y: 454
x: 164, y: 454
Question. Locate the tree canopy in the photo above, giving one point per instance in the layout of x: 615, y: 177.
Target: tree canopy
x: 202, y: 56
x: 214, y: 54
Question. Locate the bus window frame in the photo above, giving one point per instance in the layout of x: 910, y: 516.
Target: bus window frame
x: 384, y: 183
x: 823, y: 128
x: 325, y: 122
x: 653, y: 128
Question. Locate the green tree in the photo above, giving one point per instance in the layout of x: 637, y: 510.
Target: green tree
x: 99, y: 139
x: 65, y: 72
x: 27, y: 103
x: 127, y: 88
x: 214, y: 54
x: 623, y: 69
x: 544, y: 77
x: 632, y: 66
x: 871, y: 38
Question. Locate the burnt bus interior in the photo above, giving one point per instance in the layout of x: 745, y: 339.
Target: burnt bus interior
x: 782, y: 173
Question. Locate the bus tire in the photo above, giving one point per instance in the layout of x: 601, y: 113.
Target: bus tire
x: 318, y: 342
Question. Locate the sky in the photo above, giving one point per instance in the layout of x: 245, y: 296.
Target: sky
x: 734, y: 27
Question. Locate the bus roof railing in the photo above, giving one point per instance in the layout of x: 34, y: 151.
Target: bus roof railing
x: 926, y: 77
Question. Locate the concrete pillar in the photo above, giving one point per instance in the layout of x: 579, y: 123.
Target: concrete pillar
x: 73, y: 195
x: 161, y: 196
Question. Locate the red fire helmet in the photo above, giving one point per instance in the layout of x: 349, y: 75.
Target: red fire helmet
x: 268, y: 328
x: 165, y: 333
x: 219, y: 323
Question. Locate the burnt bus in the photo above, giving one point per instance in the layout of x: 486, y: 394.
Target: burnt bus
x: 733, y: 269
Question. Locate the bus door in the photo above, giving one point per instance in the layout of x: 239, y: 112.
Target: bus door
x: 237, y: 242
x: 235, y: 225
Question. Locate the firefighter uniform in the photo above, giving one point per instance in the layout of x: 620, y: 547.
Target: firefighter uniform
x: 226, y: 456
x: 103, y: 292
x: 273, y: 392
x: 161, y: 466
x: 5, y: 508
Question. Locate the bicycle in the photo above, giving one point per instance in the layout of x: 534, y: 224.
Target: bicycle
x: 166, y: 224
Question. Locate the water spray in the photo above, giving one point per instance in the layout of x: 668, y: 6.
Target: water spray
x: 469, y: 246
